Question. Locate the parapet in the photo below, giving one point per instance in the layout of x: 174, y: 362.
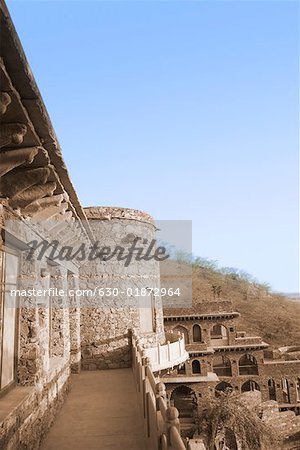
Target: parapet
x: 114, y: 212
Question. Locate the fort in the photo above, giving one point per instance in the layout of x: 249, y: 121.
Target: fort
x: 155, y: 368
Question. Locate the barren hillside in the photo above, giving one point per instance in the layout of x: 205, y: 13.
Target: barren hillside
x: 272, y: 316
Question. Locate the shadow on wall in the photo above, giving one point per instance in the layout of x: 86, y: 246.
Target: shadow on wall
x: 110, y: 353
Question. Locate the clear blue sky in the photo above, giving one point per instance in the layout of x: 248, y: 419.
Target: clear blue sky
x: 187, y: 110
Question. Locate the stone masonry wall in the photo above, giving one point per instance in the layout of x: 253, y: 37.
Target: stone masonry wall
x: 25, y: 425
x: 106, y: 320
x: 43, y: 356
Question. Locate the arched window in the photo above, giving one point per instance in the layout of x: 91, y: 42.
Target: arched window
x: 285, y: 390
x: 248, y: 365
x: 182, y: 330
x: 223, y: 387
x: 272, y: 389
x: 197, y: 333
x: 196, y: 368
x: 250, y: 385
x: 219, y: 334
x: 222, y: 366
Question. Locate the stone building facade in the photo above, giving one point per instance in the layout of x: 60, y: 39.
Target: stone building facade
x: 221, y: 357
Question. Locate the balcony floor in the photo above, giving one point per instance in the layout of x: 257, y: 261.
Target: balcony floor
x: 101, y: 412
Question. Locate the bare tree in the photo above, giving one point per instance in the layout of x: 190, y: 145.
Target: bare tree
x: 228, y: 412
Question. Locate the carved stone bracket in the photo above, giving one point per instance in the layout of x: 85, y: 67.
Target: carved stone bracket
x: 43, y: 203
x: 30, y: 195
x: 50, y: 211
x: 12, y: 133
x: 13, y: 158
x: 14, y: 182
x: 5, y: 100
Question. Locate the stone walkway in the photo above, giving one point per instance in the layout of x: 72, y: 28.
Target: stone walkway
x: 101, y: 412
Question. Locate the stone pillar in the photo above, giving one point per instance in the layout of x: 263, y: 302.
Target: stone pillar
x: 204, y: 367
x: 235, y: 368
x: 206, y: 335
x: 30, y: 363
x: 44, y: 319
x: 231, y: 335
x: 59, y: 314
x: 74, y: 321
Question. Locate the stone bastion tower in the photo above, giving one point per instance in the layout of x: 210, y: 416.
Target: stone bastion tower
x: 124, y: 285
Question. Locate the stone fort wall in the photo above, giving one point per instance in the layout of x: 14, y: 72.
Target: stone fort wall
x: 106, y: 319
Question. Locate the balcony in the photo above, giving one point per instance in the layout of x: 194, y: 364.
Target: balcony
x: 168, y: 355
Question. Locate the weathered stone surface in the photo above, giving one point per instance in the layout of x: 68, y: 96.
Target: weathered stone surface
x: 27, y: 178
x: 12, y: 134
x: 107, y: 319
x: 24, y: 428
x: 14, y: 158
x: 109, y: 213
x: 5, y: 101
x: 32, y: 194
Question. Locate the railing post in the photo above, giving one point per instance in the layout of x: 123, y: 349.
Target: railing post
x: 160, y: 392
x: 158, y: 353
x: 172, y: 421
x: 145, y: 364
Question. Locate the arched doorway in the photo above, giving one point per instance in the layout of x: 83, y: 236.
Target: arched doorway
x: 184, y: 331
x: 197, y: 335
x: 219, y: 335
x: 249, y: 386
x: 196, y: 367
x: 185, y: 400
x: 248, y: 365
x: 272, y: 389
x: 222, y: 366
x: 223, y: 387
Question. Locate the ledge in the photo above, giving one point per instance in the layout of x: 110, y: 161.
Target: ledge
x: 169, y: 317
x: 281, y: 361
x: 241, y: 347
x: 14, y: 399
x: 193, y: 379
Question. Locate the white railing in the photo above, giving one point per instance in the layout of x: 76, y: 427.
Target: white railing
x: 161, y: 420
x: 167, y: 355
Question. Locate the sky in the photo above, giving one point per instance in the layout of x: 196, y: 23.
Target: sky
x: 185, y: 109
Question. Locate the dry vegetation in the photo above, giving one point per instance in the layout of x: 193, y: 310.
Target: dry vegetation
x: 272, y: 316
